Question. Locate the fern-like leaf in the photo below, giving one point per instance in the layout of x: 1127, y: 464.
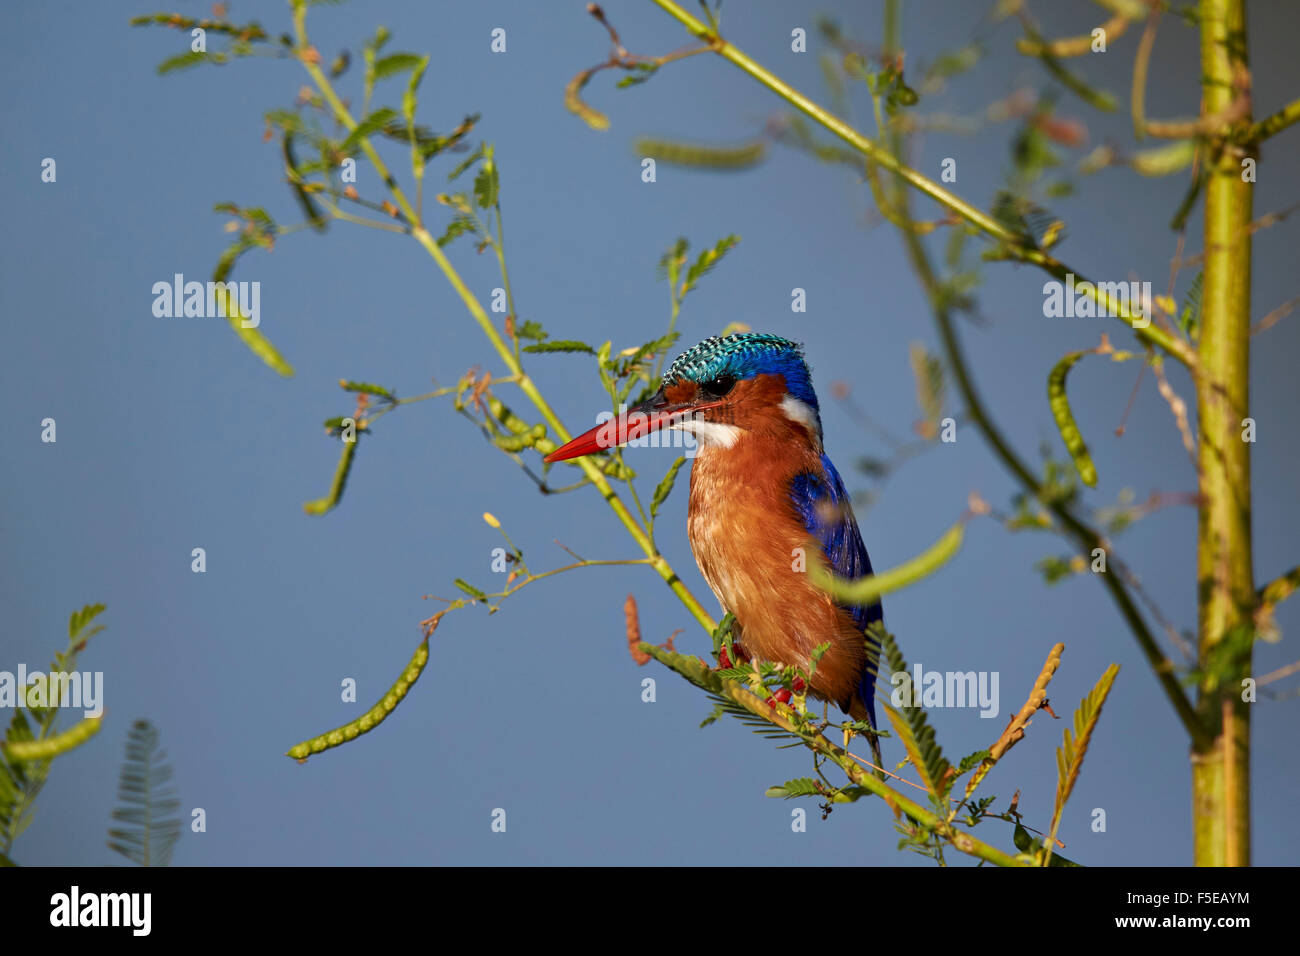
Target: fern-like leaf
x: 563, y: 345
x: 1069, y: 757
x: 913, y: 729
x: 147, y: 803
x: 704, y: 264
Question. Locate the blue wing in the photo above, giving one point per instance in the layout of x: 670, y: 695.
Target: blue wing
x: 824, y: 506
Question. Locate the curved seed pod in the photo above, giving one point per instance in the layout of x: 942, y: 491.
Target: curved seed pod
x: 617, y: 471
x: 371, y: 718
x: 51, y: 747
x: 506, y: 417
x: 708, y: 157
x: 869, y: 589
x: 520, y: 441
x: 1065, y: 423
x: 321, y: 505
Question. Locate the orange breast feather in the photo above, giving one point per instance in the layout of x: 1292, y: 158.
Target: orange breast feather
x: 747, y: 537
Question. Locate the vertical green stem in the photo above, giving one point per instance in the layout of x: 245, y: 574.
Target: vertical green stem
x: 1221, y: 764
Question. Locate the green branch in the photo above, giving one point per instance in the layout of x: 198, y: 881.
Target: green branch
x: 1013, y: 246
x: 1274, y: 124
x: 480, y: 316
x: 1087, y: 538
x: 1084, y: 535
x: 1281, y: 588
x: 698, y: 673
x: 1225, y: 577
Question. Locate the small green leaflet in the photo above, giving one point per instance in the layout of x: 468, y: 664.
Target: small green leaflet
x: 466, y: 163
x: 816, y: 656
x: 409, y: 100
x: 79, y: 619
x: 487, y: 185
x: 372, y: 124
x: 1189, y: 318
x: 470, y: 589
x: 531, y: 330
x: 561, y: 345
x: 665, y: 487
x: 368, y: 388
x: 704, y: 264
x: 396, y: 63
x: 459, y: 226
x: 798, y: 787
x: 184, y: 61
x: 972, y: 760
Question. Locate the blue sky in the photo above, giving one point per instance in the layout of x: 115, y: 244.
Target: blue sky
x: 172, y: 436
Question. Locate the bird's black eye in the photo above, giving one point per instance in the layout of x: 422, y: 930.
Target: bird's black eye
x: 719, y: 386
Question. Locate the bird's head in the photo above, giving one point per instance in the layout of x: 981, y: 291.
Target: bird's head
x: 721, y: 389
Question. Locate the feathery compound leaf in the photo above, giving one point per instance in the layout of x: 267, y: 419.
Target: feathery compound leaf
x: 532, y: 331
x: 725, y: 705
x: 928, y: 372
x: 972, y: 760
x: 396, y: 63
x: 1065, y: 423
x: 18, y: 783
x: 183, y: 61
x: 816, y: 656
x: 368, y: 388
x: 665, y: 487
x: 1189, y: 317
x: 466, y: 163
x: 672, y: 260
x: 912, y: 728
x: 410, y: 99
x: 460, y: 226
x: 146, y: 803
x: 372, y: 124
x: 79, y: 619
x: 653, y: 347
x: 704, y: 264
x: 798, y: 787
x: 1069, y: 757
x: 470, y: 589
x: 487, y: 185
x: 562, y: 345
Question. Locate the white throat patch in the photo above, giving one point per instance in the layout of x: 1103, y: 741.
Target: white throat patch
x: 710, y: 433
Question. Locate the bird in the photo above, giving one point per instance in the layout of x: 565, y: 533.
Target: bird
x: 763, y: 492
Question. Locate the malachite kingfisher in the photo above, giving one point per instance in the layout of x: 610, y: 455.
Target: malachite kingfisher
x: 763, y: 491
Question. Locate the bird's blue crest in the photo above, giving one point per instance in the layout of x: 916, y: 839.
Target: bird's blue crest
x: 745, y: 355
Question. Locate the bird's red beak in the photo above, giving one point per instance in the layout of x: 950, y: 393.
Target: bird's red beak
x: 645, y: 418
